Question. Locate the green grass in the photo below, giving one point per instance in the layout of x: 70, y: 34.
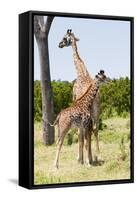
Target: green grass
x: 115, y: 151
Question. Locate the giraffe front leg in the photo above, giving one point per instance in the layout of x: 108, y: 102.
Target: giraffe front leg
x: 59, y: 145
x: 97, y: 157
x: 88, y: 148
x: 80, y: 146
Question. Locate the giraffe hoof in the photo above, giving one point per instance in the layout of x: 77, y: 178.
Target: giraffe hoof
x: 80, y: 160
x: 98, y: 158
x: 56, y: 166
x: 88, y: 163
x: 98, y: 161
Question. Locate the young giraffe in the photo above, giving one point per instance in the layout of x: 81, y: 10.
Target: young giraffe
x: 81, y: 84
x: 79, y: 115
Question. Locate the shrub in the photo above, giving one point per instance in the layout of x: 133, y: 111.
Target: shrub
x: 115, y: 98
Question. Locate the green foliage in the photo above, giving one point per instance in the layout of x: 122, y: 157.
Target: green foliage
x: 71, y: 137
x: 37, y: 101
x: 112, y: 166
x: 101, y: 124
x: 62, y: 95
x: 115, y: 98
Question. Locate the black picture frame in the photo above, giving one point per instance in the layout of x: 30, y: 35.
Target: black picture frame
x: 26, y: 77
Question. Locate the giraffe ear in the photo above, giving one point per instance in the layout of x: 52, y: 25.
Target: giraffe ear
x: 101, y: 71
x: 68, y: 31
x: 77, y: 39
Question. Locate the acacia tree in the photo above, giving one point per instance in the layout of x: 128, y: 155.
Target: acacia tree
x: 41, y: 31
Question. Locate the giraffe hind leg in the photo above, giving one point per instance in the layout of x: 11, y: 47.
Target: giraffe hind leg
x: 63, y: 131
x: 88, y: 147
x: 80, y: 146
x: 97, y: 157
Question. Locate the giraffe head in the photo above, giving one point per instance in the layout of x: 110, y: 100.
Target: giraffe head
x: 68, y: 39
x: 101, y: 78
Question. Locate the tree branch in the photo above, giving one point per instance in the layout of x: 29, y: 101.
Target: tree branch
x: 41, y: 30
x: 48, y: 24
x: 38, y: 25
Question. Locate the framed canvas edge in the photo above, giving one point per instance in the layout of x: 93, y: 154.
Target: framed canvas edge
x: 31, y: 184
x: 24, y: 140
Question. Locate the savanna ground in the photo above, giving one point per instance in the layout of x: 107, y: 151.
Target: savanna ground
x: 115, y: 152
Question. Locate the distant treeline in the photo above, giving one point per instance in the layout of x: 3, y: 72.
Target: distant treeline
x: 115, y: 97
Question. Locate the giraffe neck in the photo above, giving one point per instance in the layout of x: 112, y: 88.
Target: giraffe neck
x: 89, y: 96
x: 80, y: 66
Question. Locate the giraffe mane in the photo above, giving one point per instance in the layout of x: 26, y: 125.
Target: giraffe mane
x: 84, y: 93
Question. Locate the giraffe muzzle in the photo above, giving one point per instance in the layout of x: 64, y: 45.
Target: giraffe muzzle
x: 60, y: 45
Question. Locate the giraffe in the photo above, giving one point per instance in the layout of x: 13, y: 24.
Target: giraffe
x: 80, y: 86
x: 83, y: 75
x: 79, y: 115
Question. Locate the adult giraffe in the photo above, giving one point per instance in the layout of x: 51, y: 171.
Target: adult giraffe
x: 82, y: 83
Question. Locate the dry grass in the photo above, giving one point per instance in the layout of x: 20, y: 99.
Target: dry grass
x: 115, y: 151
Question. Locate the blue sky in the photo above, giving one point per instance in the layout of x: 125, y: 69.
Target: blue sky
x: 104, y: 44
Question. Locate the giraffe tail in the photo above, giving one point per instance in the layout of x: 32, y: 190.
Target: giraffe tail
x: 51, y: 124
x: 55, y: 122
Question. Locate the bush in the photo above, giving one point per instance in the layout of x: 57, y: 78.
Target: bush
x: 37, y: 101
x: 115, y: 98
x: 62, y: 95
x: 72, y: 137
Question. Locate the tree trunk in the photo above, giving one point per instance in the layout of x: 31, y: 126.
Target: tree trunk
x: 41, y: 31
